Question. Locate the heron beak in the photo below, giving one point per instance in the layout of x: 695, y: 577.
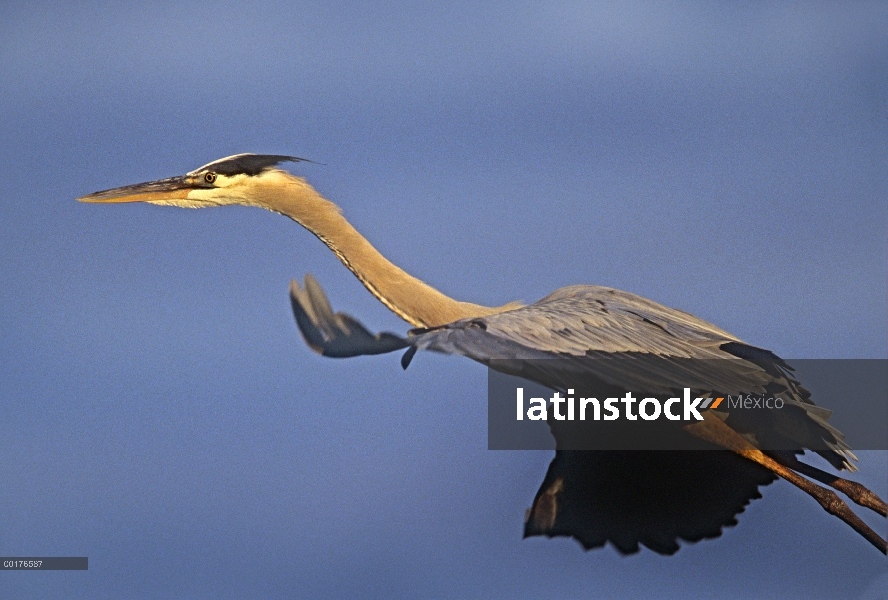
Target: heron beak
x: 173, y: 188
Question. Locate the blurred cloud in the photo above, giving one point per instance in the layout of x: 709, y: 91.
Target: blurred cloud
x: 194, y: 48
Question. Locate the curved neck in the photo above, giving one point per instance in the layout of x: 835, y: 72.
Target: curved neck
x: 411, y: 299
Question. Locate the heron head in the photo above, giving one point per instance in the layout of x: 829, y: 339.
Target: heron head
x: 221, y: 182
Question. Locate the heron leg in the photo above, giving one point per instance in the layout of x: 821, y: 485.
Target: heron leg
x: 714, y: 430
x: 858, y: 493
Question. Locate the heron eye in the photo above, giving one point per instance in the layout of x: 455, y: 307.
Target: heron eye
x: 210, y: 177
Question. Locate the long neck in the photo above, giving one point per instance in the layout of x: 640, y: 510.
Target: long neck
x: 414, y: 301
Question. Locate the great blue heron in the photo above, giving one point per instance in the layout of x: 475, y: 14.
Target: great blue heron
x: 627, y: 498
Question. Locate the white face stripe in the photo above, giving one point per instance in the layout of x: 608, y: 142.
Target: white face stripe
x: 217, y: 161
x: 247, y: 164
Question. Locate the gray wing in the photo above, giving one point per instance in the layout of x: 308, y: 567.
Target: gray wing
x: 607, y: 337
x: 335, y: 334
x: 627, y: 498
x: 579, y: 321
x: 576, y: 320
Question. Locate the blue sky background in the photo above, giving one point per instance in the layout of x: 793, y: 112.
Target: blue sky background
x: 158, y: 411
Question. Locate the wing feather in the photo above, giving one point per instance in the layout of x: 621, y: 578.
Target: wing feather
x: 605, y: 337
